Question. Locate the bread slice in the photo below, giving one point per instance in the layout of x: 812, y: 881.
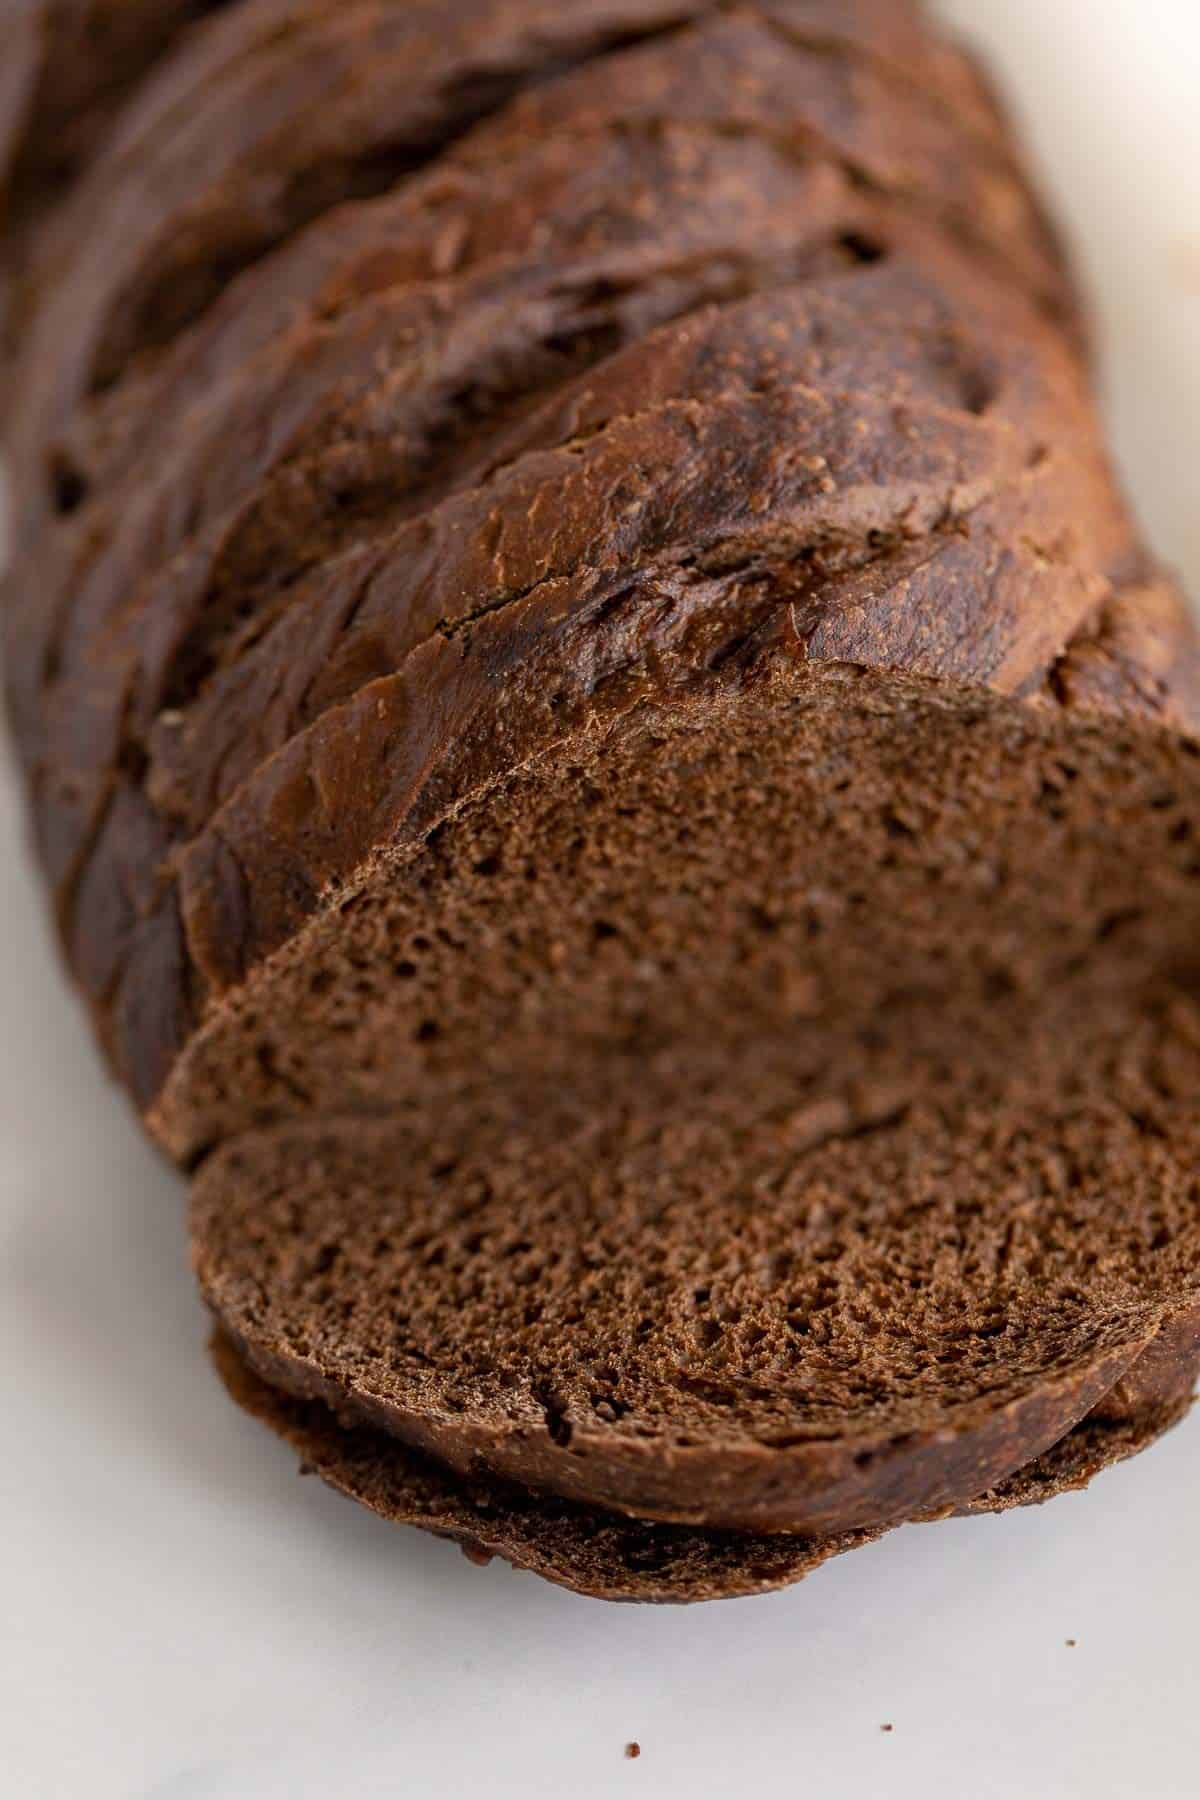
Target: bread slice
x: 603, y: 1555
x: 65, y: 72
x: 593, y: 1553
x: 668, y: 403
x: 781, y: 1128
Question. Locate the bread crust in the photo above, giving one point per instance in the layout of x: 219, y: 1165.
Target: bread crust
x: 624, y: 1560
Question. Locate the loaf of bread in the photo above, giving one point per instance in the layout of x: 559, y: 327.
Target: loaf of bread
x: 619, y: 785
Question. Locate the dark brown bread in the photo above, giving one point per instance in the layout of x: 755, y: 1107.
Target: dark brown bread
x: 76, y: 300
x: 715, y: 380
x: 67, y: 66
x: 605, y: 1556
x: 674, y: 1346
x: 18, y: 81
x: 594, y: 1553
x: 614, y: 773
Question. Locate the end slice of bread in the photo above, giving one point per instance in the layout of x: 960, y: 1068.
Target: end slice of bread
x: 762, y: 1131
x: 604, y: 1556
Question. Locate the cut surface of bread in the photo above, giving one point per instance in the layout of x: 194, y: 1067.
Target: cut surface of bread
x: 761, y: 1125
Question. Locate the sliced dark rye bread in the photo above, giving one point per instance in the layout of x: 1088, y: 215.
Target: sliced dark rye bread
x: 887, y: 138
x: 475, y: 205
x: 602, y: 212
x: 69, y: 64
x: 666, y: 936
x: 66, y: 67
x: 892, y: 37
x: 62, y: 472
x: 882, y: 1170
x: 723, y: 376
x: 256, y: 129
x: 1007, y: 389
x: 279, y: 109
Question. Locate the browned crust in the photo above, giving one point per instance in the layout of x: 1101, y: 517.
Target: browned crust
x: 269, y: 115
x: 1138, y: 653
x: 1072, y: 1465
x: 619, y: 1559
x: 42, y: 415
x: 888, y: 459
x: 336, y: 440
x: 1163, y: 1377
x: 813, y: 1489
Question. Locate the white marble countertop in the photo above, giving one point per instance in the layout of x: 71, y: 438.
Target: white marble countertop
x: 183, y: 1619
